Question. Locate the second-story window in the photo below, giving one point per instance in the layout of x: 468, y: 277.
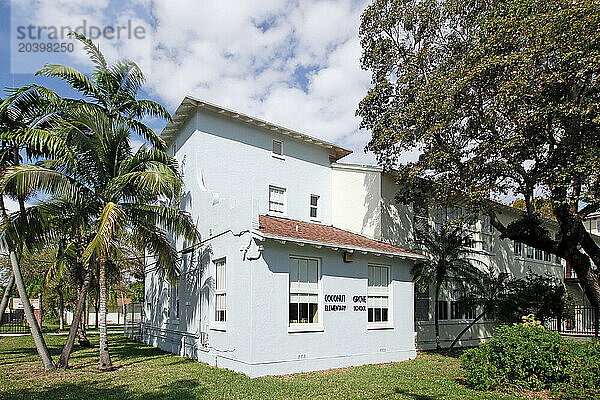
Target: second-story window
x: 314, y: 206
x: 277, y: 147
x: 276, y: 200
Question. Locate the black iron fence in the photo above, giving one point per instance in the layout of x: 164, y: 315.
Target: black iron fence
x: 14, y: 322
x: 134, y: 317
x: 583, y: 322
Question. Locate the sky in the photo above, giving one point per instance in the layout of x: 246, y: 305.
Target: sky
x: 293, y: 63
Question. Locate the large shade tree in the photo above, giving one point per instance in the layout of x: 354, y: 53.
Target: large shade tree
x: 497, y: 98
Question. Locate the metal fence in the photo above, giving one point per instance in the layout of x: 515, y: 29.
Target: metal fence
x: 134, y: 317
x: 14, y: 322
x: 583, y: 322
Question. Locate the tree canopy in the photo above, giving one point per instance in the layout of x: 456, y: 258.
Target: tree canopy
x: 497, y: 98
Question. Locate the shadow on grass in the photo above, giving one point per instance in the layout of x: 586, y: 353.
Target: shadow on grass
x: 413, y: 395
x: 182, y: 389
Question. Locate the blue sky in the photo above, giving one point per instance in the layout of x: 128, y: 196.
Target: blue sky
x: 295, y: 63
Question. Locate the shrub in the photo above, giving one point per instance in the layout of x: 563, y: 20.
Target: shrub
x: 525, y: 355
x: 584, y: 374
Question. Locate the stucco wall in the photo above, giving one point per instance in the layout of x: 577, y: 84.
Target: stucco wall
x: 345, y: 339
x: 228, y: 167
x: 357, y: 199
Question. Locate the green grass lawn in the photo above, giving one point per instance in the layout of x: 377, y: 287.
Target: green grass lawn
x: 148, y: 373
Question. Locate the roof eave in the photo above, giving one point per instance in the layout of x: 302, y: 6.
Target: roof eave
x: 189, y: 103
x: 336, y: 246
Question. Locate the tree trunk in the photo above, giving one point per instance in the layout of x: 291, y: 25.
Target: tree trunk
x: 105, y: 362
x: 96, y: 308
x: 82, y: 335
x: 36, y: 332
x: 436, y: 316
x: 7, y: 294
x: 465, y: 330
x: 41, y: 309
x: 61, y: 310
x: 63, y: 361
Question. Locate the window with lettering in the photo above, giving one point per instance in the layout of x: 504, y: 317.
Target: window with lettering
x: 378, y: 294
x: 304, y: 290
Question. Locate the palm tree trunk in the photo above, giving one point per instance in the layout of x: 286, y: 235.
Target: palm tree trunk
x: 105, y: 362
x: 61, y: 310
x: 82, y: 334
x: 63, y: 361
x: 465, y: 330
x: 436, y: 316
x: 7, y: 293
x: 36, y: 332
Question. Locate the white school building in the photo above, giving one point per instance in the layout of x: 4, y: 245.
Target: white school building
x: 305, y: 261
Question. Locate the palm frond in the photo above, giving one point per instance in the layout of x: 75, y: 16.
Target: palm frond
x: 26, y: 179
x: 76, y: 79
x: 109, y: 222
x: 92, y: 50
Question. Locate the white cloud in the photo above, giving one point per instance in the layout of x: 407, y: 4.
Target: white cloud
x: 295, y: 63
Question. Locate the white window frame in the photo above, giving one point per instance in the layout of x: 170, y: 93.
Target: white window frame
x: 487, y: 238
x: 220, y: 291
x: 303, y: 289
x: 315, y: 207
x: 379, y: 292
x: 173, y: 311
x: 277, y: 155
x: 284, y: 204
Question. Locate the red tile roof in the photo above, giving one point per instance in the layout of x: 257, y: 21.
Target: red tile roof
x: 325, y: 234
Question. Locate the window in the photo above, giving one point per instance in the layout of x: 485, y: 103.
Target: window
x: 377, y: 294
x: 304, y: 291
x: 443, y: 309
x: 421, y: 303
x: 174, y: 302
x: 518, y: 249
x: 486, y: 233
x: 277, y: 147
x: 220, y: 291
x: 177, y: 301
x: 314, y: 206
x: 420, y: 217
x: 443, y: 215
x: 460, y: 311
x: 276, y: 200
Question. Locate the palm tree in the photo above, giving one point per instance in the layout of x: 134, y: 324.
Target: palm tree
x: 30, y: 111
x: 447, y: 263
x: 112, y: 90
x: 100, y: 164
x: 125, y: 188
